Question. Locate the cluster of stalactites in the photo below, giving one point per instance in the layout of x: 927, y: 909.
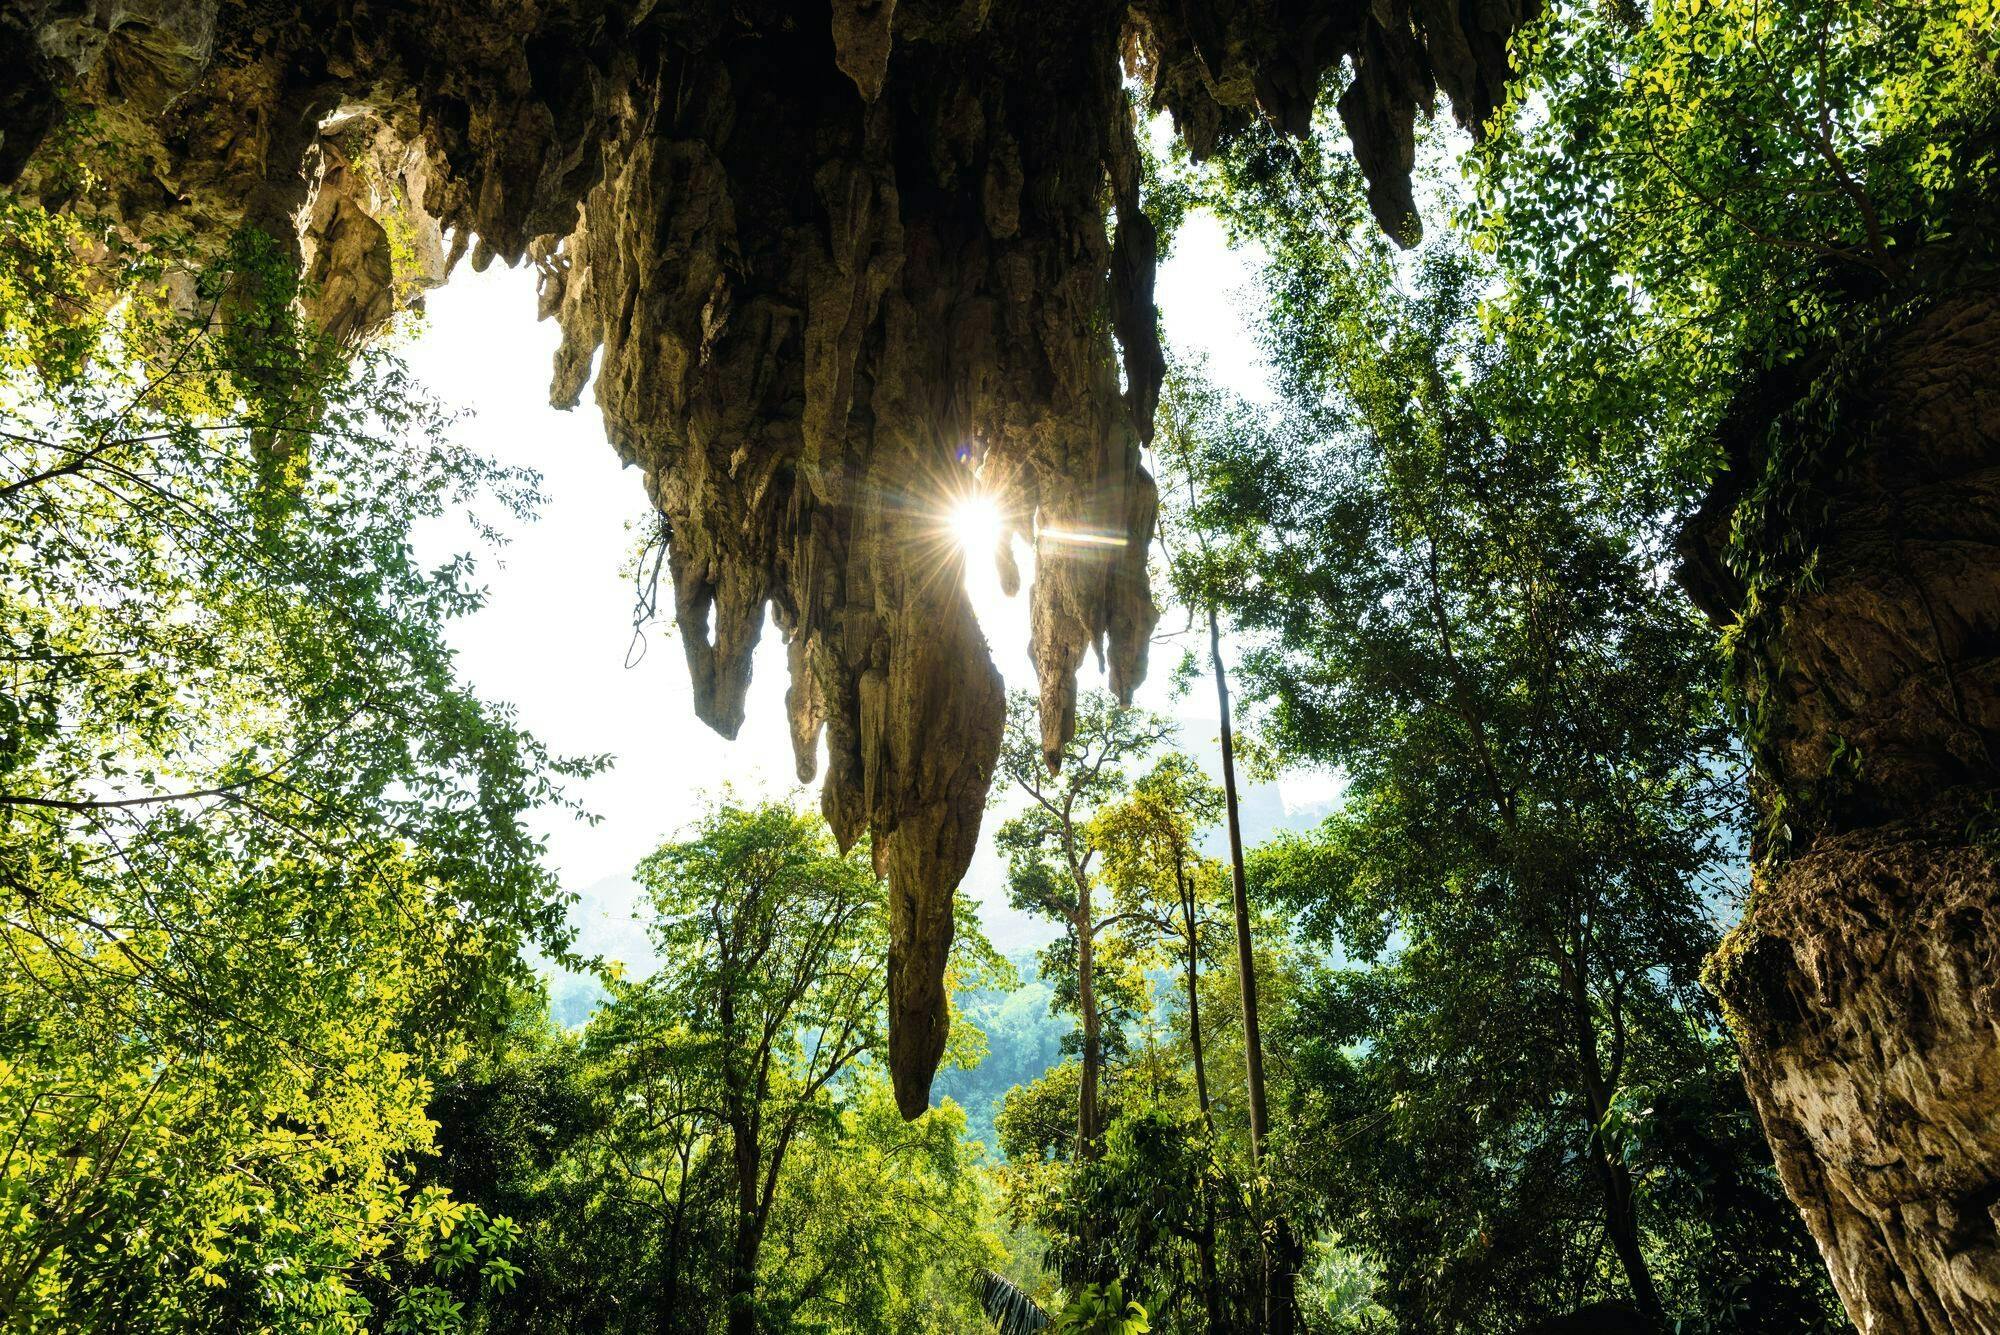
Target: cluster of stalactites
x: 1218, y: 64
x: 816, y: 324
x: 830, y: 274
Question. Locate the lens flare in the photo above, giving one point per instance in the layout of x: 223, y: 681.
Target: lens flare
x: 975, y: 523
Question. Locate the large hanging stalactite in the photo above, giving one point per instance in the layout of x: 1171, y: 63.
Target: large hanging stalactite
x: 817, y: 315
x: 830, y: 265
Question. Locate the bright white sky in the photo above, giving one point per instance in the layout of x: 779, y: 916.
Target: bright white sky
x: 553, y: 638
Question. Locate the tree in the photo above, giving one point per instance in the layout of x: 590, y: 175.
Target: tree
x: 776, y: 943
x: 1761, y: 235
x: 1537, y: 827
x: 264, y: 861
x: 881, y: 1228
x: 1160, y: 880
x: 1146, y: 1194
x: 721, y: 1148
x: 1186, y: 1235
x: 1051, y: 855
x: 662, y: 1152
x: 1682, y: 201
x: 532, y: 1127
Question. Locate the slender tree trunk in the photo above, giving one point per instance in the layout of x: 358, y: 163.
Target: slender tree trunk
x: 1621, y: 1212
x: 749, y: 1235
x: 668, y: 1315
x: 1621, y: 1222
x: 1194, y: 1000
x: 1086, y: 1004
x: 1211, y: 1286
x: 1211, y: 1283
x: 1246, y: 961
x: 1281, y: 1259
x: 1194, y: 1042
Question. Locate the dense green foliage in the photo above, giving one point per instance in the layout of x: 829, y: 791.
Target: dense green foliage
x: 1522, y: 872
x: 1733, y: 202
x: 263, y: 865
x: 1053, y: 869
x: 271, y: 1057
x: 1727, y: 185
x: 719, y: 1147
x: 1131, y: 1160
x: 1534, y: 1103
x: 1445, y: 549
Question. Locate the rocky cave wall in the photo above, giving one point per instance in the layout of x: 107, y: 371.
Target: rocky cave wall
x: 834, y: 264
x: 1864, y: 985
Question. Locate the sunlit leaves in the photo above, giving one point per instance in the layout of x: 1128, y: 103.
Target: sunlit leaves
x: 263, y: 858
x: 736, y: 1144
x: 1720, y: 189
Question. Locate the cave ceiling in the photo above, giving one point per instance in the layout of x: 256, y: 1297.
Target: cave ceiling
x: 823, y: 266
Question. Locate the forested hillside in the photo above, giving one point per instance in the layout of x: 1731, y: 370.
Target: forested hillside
x: 1617, y: 533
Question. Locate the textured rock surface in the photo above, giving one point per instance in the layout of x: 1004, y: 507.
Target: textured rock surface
x: 833, y: 266
x: 1863, y: 984
x: 1869, y: 982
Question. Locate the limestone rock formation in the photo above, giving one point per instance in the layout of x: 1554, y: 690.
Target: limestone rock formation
x: 832, y: 266
x: 1865, y: 984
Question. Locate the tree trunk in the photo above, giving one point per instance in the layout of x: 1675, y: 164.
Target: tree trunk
x: 1246, y: 960
x: 1621, y: 1225
x: 1621, y: 1212
x: 1194, y: 1021
x: 1211, y: 1283
x: 748, y: 1237
x: 667, y: 1318
x: 1281, y: 1259
x: 1862, y: 985
x: 1086, y: 1004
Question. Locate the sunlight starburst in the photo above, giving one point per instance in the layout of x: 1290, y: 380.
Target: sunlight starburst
x: 975, y: 524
